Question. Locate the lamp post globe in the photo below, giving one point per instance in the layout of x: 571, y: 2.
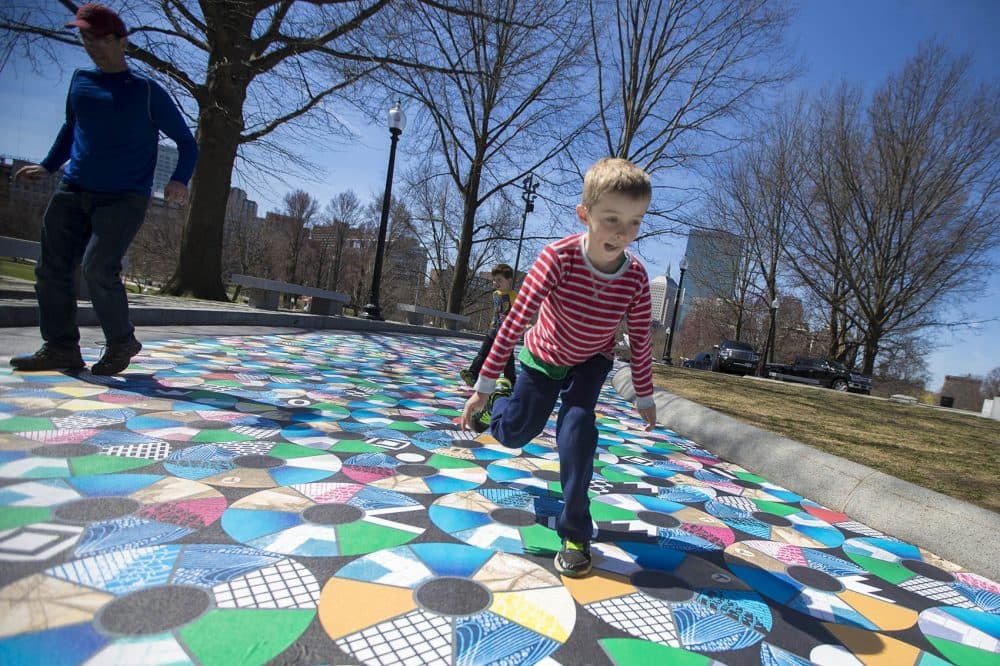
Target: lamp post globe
x: 529, y: 187
x: 673, y: 319
x: 397, y: 122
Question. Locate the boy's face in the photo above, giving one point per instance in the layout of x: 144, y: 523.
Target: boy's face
x: 501, y: 282
x: 612, y: 224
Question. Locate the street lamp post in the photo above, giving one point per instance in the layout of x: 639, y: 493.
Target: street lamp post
x: 673, y: 319
x: 529, y: 186
x: 397, y: 121
x: 769, y: 343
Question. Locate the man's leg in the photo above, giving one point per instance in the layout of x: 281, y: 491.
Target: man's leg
x: 518, y: 419
x: 576, y: 439
x: 484, y: 351
x: 65, y: 230
x: 115, y: 220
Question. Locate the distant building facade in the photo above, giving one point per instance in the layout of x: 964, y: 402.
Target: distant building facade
x: 713, y: 264
x: 166, y: 162
x: 963, y: 391
x: 662, y: 291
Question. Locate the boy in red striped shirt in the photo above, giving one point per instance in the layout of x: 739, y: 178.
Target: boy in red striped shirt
x: 581, y: 287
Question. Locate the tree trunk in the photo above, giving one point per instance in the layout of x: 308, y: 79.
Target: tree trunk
x: 199, y: 270
x: 220, y: 127
x: 462, y: 277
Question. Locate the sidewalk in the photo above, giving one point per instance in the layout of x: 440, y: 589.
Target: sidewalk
x: 304, y: 497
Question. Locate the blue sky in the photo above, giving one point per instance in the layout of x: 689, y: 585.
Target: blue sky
x: 861, y: 41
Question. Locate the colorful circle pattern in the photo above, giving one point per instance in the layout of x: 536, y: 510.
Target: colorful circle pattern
x: 473, y: 606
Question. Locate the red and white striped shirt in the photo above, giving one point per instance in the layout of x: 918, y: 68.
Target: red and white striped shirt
x: 579, y: 309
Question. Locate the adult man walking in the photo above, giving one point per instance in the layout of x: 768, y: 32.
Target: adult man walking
x: 113, y: 120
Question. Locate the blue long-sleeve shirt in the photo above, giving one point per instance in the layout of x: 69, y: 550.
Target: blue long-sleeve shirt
x: 111, y: 133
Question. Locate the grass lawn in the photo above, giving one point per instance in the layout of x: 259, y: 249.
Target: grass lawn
x: 954, y: 453
x: 17, y: 270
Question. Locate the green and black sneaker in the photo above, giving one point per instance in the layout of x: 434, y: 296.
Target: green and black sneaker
x: 573, y: 560
x: 503, y: 389
x: 467, y: 377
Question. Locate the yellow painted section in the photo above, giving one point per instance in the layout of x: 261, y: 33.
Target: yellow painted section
x: 348, y: 606
x: 874, y: 649
x: 598, y: 586
x: 885, y: 615
x: 547, y: 612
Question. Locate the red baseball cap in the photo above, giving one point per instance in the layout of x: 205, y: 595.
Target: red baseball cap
x: 99, y: 20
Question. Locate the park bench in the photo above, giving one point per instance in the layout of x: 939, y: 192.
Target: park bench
x: 264, y: 294
x: 415, y: 315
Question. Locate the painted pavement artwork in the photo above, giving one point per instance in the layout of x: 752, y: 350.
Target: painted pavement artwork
x: 308, y: 499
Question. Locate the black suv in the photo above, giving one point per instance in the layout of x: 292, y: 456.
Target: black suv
x: 735, y: 356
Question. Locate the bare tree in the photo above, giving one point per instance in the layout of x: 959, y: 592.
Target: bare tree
x: 503, y: 109
x: 262, y: 73
x: 674, y: 77
x: 301, y: 210
x: 343, y: 212
x: 754, y: 199
x: 905, y: 211
x: 991, y: 384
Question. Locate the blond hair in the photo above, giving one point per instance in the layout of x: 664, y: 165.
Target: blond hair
x: 614, y: 174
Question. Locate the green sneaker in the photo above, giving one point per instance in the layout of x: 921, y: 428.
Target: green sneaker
x: 503, y: 389
x: 573, y: 560
x: 468, y: 377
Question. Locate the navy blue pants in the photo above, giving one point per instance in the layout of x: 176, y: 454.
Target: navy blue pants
x: 93, y: 229
x: 516, y: 420
x: 484, y: 350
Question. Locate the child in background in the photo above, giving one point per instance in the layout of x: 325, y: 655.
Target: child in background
x: 581, y: 287
x: 503, y: 299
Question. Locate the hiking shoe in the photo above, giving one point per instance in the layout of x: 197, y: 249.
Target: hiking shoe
x: 573, y: 560
x: 116, y: 358
x: 468, y: 377
x: 502, y: 390
x: 49, y: 358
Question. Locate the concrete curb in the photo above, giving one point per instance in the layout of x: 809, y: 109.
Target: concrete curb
x: 955, y: 530
x: 26, y: 315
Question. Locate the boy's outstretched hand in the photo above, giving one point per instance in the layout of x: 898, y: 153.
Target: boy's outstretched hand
x: 473, y: 406
x: 648, y: 415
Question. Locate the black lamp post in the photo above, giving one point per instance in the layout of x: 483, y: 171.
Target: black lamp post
x: 769, y: 343
x: 397, y: 121
x: 673, y: 319
x: 529, y: 186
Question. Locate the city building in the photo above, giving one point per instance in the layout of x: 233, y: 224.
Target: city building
x: 663, y: 291
x: 239, y: 207
x: 713, y: 264
x: 166, y: 162
x: 713, y: 260
x: 962, y: 392
x: 23, y: 203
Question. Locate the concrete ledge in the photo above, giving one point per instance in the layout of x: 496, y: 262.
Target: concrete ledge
x: 26, y: 315
x: 955, y: 530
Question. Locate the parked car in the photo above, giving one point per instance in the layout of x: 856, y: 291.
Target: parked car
x: 735, y: 356
x: 820, y: 371
x: 701, y: 361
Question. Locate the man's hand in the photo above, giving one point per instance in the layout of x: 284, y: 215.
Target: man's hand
x: 175, y: 193
x: 648, y: 415
x: 31, y: 172
x: 473, y: 406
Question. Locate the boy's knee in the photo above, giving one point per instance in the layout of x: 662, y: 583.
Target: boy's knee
x: 511, y: 442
